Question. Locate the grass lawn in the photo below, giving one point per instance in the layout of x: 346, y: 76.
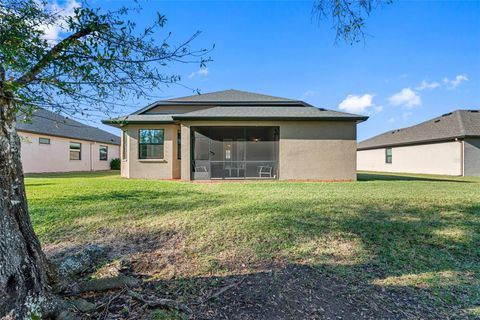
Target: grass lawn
x: 395, y: 232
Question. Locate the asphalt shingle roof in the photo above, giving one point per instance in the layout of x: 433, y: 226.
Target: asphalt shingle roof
x: 236, y: 105
x: 49, y: 123
x: 263, y: 112
x: 457, y: 124
x: 230, y: 96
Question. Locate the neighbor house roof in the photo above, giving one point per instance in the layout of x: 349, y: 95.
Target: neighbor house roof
x: 457, y: 124
x: 235, y: 105
x: 49, y: 123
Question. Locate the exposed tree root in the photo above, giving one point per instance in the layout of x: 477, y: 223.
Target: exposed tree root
x: 162, y: 303
x: 222, y: 291
x: 104, y: 284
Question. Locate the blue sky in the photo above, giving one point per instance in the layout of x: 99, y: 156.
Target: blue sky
x: 421, y: 58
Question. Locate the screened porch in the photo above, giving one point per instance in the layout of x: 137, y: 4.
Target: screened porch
x: 235, y: 153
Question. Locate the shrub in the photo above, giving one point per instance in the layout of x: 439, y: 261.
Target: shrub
x: 115, y: 164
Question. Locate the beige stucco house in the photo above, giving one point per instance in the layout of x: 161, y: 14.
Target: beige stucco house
x: 448, y: 145
x: 238, y: 135
x: 53, y: 143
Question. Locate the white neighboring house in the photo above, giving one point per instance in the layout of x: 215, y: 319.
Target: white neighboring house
x: 53, y: 143
x: 447, y: 145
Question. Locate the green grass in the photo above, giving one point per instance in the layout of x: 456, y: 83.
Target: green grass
x: 414, y: 231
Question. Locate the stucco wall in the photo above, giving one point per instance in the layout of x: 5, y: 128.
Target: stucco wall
x: 472, y: 157
x: 436, y: 158
x: 166, y: 168
x: 55, y: 157
x: 308, y: 150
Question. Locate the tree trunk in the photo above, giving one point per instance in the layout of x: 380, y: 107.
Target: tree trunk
x: 24, y: 270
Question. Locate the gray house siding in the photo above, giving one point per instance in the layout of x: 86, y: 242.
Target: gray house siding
x: 472, y: 157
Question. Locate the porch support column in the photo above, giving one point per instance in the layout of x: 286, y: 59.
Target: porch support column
x: 186, y: 170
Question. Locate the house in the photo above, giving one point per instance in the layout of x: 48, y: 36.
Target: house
x: 238, y: 135
x: 448, y: 145
x: 53, y: 143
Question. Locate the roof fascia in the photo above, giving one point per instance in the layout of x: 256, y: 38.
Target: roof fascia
x: 412, y: 143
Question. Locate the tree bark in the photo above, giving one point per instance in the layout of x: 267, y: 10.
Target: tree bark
x: 24, y: 270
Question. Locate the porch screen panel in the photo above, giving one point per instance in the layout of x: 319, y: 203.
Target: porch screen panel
x: 261, y: 152
x: 235, y: 152
x: 201, y: 154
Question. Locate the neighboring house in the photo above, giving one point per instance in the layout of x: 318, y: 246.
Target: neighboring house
x: 53, y: 143
x: 238, y: 135
x: 449, y: 145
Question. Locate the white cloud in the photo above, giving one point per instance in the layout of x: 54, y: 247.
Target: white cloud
x: 52, y: 32
x: 201, y: 72
x: 391, y: 120
x: 407, y: 97
x: 378, y: 109
x: 427, y: 85
x: 356, y: 104
x: 458, y: 79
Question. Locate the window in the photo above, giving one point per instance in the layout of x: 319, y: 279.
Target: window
x: 75, y: 151
x: 124, y: 146
x: 388, y: 155
x: 179, y: 145
x: 43, y: 140
x: 150, y: 144
x: 103, y: 153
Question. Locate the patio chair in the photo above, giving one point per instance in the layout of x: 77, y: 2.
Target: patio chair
x: 265, y: 171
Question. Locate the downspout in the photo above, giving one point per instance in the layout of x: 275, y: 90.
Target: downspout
x: 462, y: 156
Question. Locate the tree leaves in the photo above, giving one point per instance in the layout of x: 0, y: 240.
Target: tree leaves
x: 103, y: 59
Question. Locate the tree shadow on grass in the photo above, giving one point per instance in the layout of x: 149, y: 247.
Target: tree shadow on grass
x: 291, y: 291
x: 398, y: 177
x: 404, y: 247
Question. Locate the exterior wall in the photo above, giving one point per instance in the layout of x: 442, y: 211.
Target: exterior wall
x: 472, y: 156
x: 166, y: 168
x: 55, y: 157
x: 308, y: 150
x: 186, y: 170
x: 435, y: 158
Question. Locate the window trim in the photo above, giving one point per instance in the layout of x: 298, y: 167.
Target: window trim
x: 79, y: 151
x: 153, y: 144
x: 40, y: 139
x: 388, y: 157
x: 100, y: 153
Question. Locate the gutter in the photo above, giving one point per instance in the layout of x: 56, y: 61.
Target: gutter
x: 68, y: 137
x: 413, y: 143
x: 247, y: 118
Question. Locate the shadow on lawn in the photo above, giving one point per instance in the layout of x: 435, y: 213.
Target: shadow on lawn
x: 394, y: 177
x: 285, y: 292
x: 407, y: 246
x: 426, y: 258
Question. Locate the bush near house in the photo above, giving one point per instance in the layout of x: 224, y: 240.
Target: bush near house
x: 115, y: 164
x: 414, y: 238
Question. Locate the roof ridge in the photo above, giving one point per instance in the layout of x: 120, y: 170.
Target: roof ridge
x: 230, y: 91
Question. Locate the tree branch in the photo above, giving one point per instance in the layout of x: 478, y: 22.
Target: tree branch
x: 54, y: 52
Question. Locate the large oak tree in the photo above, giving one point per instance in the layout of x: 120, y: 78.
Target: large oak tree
x: 102, y: 59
